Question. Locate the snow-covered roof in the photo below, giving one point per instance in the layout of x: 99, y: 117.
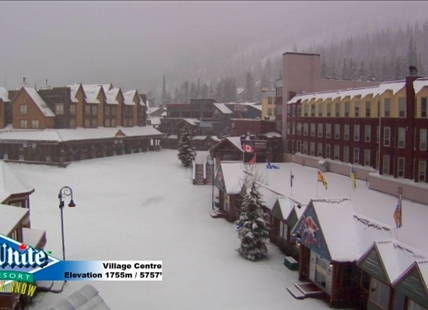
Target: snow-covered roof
x: 111, y: 96
x: 191, y: 121
x: 287, y: 205
x: 73, y: 91
x: 396, y: 257
x: 337, y: 219
x: 172, y: 137
x: 418, y: 84
x: 394, y: 86
x: 91, y: 92
x: 271, y: 134
x: 236, y: 141
x: 106, y: 87
x: 86, y: 298
x: 268, y: 93
x: 10, y: 216
x: 199, y: 137
x: 129, y: 98
x: 70, y: 134
x: 32, y: 237
x: 41, y: 104
x: 270, y: 196
x: 154, y: 120
x: 11, y: 183
x: 223, y: 108
x: 233, y: 176
x: 205, y: 125
x: 4, y: 94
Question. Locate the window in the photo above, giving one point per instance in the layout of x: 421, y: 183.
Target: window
x: 327, y: 151
x: 365, y: 280
x: 23, y: 123
x: 59, y: 108
x: 387, y: 136
x: 346, y: 154
x: 387, y: 107
x: 424, y: 107
x: 305, y: 110
x: 87, y: 123
x: 270, y: 111
x: 299, y: 128
x: 328, y: 109
x: 312, y: 109
x: 368, y: 106
x: 320, y: 109
x: 113, y: 122
x: 423, y: 140
x: 293, y: 128
x: 23, y: 109
x: 271, y: 100
x: 357, y: 109
x: 312, y: 148
x: 72, y: 109
x: 328, y: 130
x: 400, y: 167
x: 293, y: 110
x: 319, y: 149
x: 336, y: 152
x: 94, y: 123
x: 346, y: 132
x: 35, y: 123
x: 87, y: 110
x: 346, y: 109
x: 337, y: 109
x: 305, y: 129
x: 385, y: 169
x: 366, y: 157
x: 422, y: 169
x: 283, y: 230
x: 367, y: 133
x: 299, y: 110
x: 356, y: 155
x: 356, y: 132
x: 379, y: 293
x: 337, y: 131
x: 401, y: 137
x: 94, y: 110
x: 320, y: 130
x: 298, y: 146
x: 288, y: 128
x: 72, y: 123
x: 305, y: 147
x: 312, y: 130
x: 321, y: 270
x: 402, y: 107
x: 107, y: 122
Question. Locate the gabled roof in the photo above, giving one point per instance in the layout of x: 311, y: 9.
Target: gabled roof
x: 111, y: 96
x: 233, y: 176
x: 191, y: 121
x: 91, y: 92
x: 4, y: 94
x: 129, y: 97
x: 10, y: 216
x: 11, y: 183
x: 234, y: 141
x: 285, y: 206
x: 41, y: 104
x: 344, y: 234
x: 106, y: 87
x: 418, y: 84
x: 73, y: 91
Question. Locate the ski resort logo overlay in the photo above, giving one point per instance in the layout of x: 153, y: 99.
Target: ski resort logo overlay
x: 22, y: 265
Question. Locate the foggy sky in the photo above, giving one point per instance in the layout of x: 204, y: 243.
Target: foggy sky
x: 132, y: 44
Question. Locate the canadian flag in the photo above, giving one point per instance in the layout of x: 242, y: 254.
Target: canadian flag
x: 248, y: 148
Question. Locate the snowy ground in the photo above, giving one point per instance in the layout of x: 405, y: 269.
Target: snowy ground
x: 144, y: 207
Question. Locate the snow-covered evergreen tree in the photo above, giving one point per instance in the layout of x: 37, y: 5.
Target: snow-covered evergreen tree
x: 186, y: 148
x: 252, y: 225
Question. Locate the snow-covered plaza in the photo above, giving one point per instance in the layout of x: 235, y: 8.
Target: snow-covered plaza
x: 144, y: 207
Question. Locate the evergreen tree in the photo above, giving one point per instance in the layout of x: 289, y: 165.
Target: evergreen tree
x: 186, y: 148
x: 252, y: 225
x: 205, y: 92
x: 250, y: 87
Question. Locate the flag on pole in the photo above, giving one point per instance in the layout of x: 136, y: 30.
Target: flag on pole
x: 322, y: 179
x: 252, y: 160
x: 270, y: 166
x: 397, y: 215
x: 291, y: 178
x: 353, y: 176
x: 248, y: 148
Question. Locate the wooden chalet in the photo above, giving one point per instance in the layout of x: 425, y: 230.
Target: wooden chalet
x: 228, y: 149
x: 285, y: 214
x: 331, y: 238
x: 394, y: 277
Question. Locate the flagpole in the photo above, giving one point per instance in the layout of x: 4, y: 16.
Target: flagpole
x: 317, y: 186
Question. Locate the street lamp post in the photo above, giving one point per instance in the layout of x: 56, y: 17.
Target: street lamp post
x: 64, y: 191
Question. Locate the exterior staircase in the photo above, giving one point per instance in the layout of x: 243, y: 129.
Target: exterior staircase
x: 201, y: 178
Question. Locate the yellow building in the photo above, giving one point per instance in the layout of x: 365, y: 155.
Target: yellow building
x: 268, y: 104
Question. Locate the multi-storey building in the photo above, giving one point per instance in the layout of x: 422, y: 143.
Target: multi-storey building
x: 302, y: 73
x: 268, y: 103
x: 383, y: 127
